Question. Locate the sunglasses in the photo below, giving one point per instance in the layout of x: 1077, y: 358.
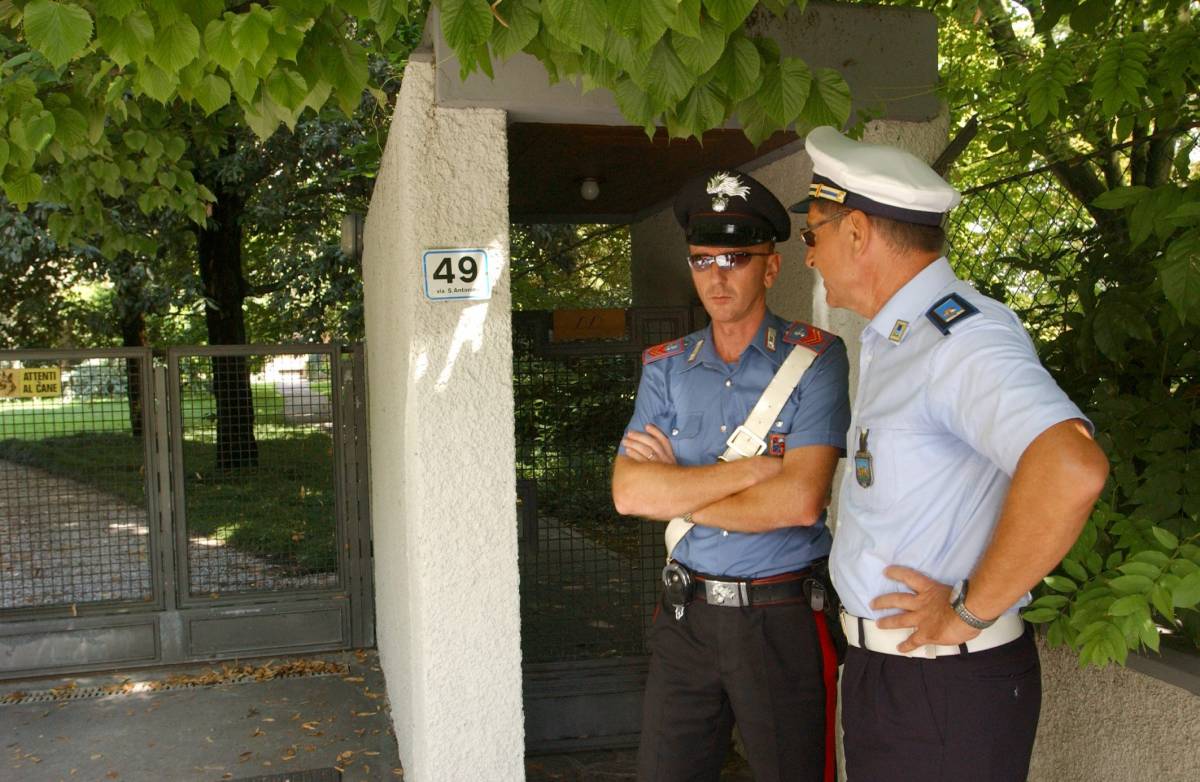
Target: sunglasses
x: 809, y: 236
x: 737, y: 260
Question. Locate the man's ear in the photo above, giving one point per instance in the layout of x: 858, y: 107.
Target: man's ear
x: 861, y: 230
x: 771, y: 270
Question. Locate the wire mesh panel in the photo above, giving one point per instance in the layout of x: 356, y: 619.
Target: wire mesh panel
x: 588, y: 575
x: 255, y: 454
x: 75, y: 516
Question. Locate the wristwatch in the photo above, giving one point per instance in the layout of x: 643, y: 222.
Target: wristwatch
x: 958, y: 601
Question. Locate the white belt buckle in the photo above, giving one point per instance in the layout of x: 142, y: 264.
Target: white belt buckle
x: 743, y: 438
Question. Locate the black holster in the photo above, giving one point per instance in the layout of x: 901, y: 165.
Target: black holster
x: 821, y: 596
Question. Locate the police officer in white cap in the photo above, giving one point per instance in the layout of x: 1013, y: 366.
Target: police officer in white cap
x: 973, y: 474
x: 736, y: 638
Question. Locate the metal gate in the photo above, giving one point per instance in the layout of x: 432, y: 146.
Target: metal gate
x: 589, y: 577
x: 200, y: 504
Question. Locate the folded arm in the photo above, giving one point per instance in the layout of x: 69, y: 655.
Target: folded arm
x: 793, y: 498
x: 647, y: 482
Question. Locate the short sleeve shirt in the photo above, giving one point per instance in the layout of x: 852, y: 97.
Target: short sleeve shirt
x: 698, y: 400
x: 942, y: 414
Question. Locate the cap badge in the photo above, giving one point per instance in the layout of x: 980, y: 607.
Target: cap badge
x: 829, y: 193
x: 898, y: 331
x: 723, y: 186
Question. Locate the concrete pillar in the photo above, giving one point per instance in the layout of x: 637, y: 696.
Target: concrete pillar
x: 442, y: 451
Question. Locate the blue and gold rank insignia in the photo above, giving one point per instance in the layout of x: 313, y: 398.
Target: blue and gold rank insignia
x: 949, y: 310
x: 665, y: 350
x: 863, y: 471
x: 898, y: 331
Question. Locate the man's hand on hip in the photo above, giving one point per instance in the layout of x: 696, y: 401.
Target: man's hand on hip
x: 927, y: 610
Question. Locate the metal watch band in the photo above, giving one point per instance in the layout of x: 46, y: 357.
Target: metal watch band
x: 959, y: 604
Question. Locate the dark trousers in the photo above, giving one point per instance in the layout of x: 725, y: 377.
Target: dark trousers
x: 967, y: 717
x: 770, y: 669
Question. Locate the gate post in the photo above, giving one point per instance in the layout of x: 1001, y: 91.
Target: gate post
x: 443, y: 499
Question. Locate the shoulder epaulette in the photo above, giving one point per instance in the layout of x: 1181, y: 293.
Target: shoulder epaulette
x: 811, y: 337
x: 950, y: 310
x: 664, y: 350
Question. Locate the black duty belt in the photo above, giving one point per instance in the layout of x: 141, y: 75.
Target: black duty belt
x: 684, y: 586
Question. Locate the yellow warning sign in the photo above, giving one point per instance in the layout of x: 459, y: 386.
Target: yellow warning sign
x: 26, y: 383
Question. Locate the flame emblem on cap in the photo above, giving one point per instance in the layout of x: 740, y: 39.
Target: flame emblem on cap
x: 723, y: 186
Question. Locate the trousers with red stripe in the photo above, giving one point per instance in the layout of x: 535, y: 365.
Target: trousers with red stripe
x: 770, y: 669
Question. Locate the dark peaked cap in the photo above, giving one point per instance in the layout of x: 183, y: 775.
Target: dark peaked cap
x: 726, y: 208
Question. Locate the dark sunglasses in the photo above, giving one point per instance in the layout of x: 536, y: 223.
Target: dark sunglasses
x: 808, y: 235
x: 737, y: 260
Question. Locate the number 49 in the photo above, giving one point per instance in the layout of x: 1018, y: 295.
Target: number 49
x: 468, y: 270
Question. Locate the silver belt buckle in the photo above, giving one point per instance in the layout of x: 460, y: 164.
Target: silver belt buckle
x: 726, y: 593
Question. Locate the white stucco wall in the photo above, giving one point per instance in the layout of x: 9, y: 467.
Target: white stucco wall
x: 442, y: 450
x: 1113, y: 724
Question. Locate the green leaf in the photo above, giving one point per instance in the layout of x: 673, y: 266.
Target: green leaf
x: 3, y: 154
x: 576, y: 20
x: 1059, y: 583
x: 1186, y: 594
x: 1127, y: 605
x: 1179, y: 274
x: 523, y: 19
x: 785, y: 89
x: 1121, y: 74
x: 1131, y: 585
x: 730, y: 13
x: 1040, y: 615
x: 634, y: 103
x: 23, y: 188
x: 701, y: 52
x: 465, y: 23
x: 244, y: 81
x: 1120, y: 197
x: 1046, y: 88
x: 1075, y: 570
x: 156, y: 82
x: 176, y: 45
x: 135, y: 140
x: 115, y: 9
x: 665, y: 78
x: 1141, y: 569
x: 1050, y: 601
x: 70, y: 127
x: 39, y: 130
x: 1088, y: 15
x: 1185, y: 214
x: 251, y: 32
x: 346, y: 69
x: 212, y: 93
x: 218, y: 41
x: 126, y: 41
x: 287, y: 88
x: 60, y: 31
x: 829, y: 103
x: 1162, y: 600
x: 738, y: 69
x: 702, y: 109
x: 1165, y: 539
x: 687, y: 20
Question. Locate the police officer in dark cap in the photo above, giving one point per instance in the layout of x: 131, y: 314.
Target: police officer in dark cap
x: 734, y: 439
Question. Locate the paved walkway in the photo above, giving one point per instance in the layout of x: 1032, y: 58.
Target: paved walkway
x: 224, y: 731
x: 302, y: 404
x: 64, y: 542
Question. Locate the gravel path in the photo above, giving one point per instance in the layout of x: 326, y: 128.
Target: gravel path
x: 63, y: 542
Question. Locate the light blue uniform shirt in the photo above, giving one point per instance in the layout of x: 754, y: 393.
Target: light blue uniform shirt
x: 947, y: 418
x: 698, y: 400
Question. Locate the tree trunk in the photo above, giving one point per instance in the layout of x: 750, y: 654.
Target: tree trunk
x: 133, y: 335
x: 219, y: 246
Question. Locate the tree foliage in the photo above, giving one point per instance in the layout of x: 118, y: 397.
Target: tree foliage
x: 1103, y: 98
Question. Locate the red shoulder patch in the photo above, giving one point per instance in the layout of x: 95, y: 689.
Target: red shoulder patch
x: 665, y: 350
x: 809, y: 336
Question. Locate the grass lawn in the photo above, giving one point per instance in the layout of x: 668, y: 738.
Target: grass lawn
x: 282, y: 510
